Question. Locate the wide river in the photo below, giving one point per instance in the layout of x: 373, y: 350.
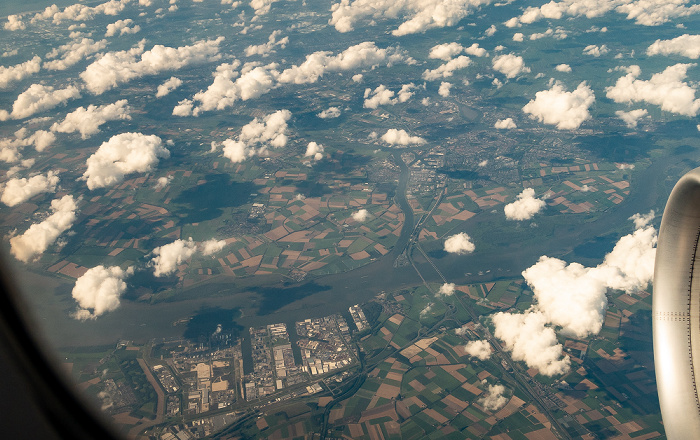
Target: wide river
x: 50, y: 302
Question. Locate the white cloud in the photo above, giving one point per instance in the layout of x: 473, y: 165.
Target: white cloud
x: 268, y: 48
x: 10, y: 147
x: 80, y: 12
x: 12, y: 74
x: 518, y: 36
x: 444, y: 89
x: 446, y: 70
x: 490, y: 31
x: 38, y: 98
x: 556, y: 106
x: 329, y: 113
x: 360, y: 216
x: 421, y: 14
x: 71, y: 53
x: 272, y: 130
x: 314, y: 150
x: 475, y: 50
x: 18, y: 191
x: 401, y: 137
x: 505, y: 124
x: 365, y: 54
x: 98, y: 291
x: 123, y: 154
x: 685, y: 45
x: 446, y: 51
x: 572, y: 298
x: 14, y: 23
x: 459, y: 244
x: 528, y: 339
x: 644, y: 12
x: 525, y: 206
x: 115, y: 68
x: 211, y: 247
x: 478, y: 349
x: 510, y: 65
x: 558, y: 34
x: 168, y: 86
x: 122, y: 27
x: 383, y: 96
x: 88, y: 120
x: 262, y: 7
x: 447, y: 289
x: 595, y: 51
x: 665, y: 89
x: 631, y: 117
x: 162, y: 182
x: 40, y: 236
x: 494, y: 399
x: 169, y: 256
x: 357, y: 77
x: 563, y: 68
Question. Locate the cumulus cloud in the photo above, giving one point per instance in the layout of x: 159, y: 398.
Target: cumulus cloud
x: 10, y: 148
x: 329, y: 113
x: 38, y: 98
x: 631, y: 117
x: 271, y: 131
x: 444, y: 89
x: 518, y: 36
x: 123, y: 154
x: 563, y: 68
x: 685, y: 45
x: 268, y: 48
x: 383, y: 96
x: 558, y: 34
x: 459, y: 244
x: 168, y: 86
x: 360, y: 216
x: 18, y: 191
x: 18, y: 72
x: 421, y: 15
x: 525, y: 206
x: 510, y: 65
x: 365, y: 54
x: 262, y: 7
x: 556, y: 106
x: 162, y: 182
x: 314, y: 150
x: 401, y: 137
x: 122, y: 27
x: 529, y: 339
x: 80, y: 12
x: 99, y: 290
x: 211, y: 247
x: 478, y: 349
x: 572, y: 298
x: 88, y: 120
x: 115, y: 68
x: 14, y: 23
x: 647, y: 13
x: 666, y: 89
x: 446, y: 70
x: 69, y: 54
x: 447, y: 289
x: 505, y: 124
x: 494, y: 399
x: 169, y: 256
x: 40, y: 236
x: 595, y: 51
x: 490, y: 31
x: 446, y: 51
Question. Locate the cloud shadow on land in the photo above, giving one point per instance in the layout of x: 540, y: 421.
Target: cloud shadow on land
x: 617, y: 147
x: 207, y: 201
x: 274, y: 298
x: 205, y: 321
